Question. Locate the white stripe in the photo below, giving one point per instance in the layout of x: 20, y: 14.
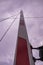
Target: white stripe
x: 22, y: 32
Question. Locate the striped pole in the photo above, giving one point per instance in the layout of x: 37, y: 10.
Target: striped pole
x: 23, y: 53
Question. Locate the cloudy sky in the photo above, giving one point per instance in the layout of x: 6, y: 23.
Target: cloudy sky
x: 31, y: 8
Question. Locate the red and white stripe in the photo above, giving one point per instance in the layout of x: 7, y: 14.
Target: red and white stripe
x: 23, y: 56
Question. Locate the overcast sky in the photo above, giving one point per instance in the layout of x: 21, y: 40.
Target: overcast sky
x: 31, y: 8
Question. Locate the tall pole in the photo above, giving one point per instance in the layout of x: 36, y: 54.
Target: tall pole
x: 23, y: 50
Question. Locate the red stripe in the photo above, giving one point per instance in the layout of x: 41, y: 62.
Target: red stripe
x: 22, y: 52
